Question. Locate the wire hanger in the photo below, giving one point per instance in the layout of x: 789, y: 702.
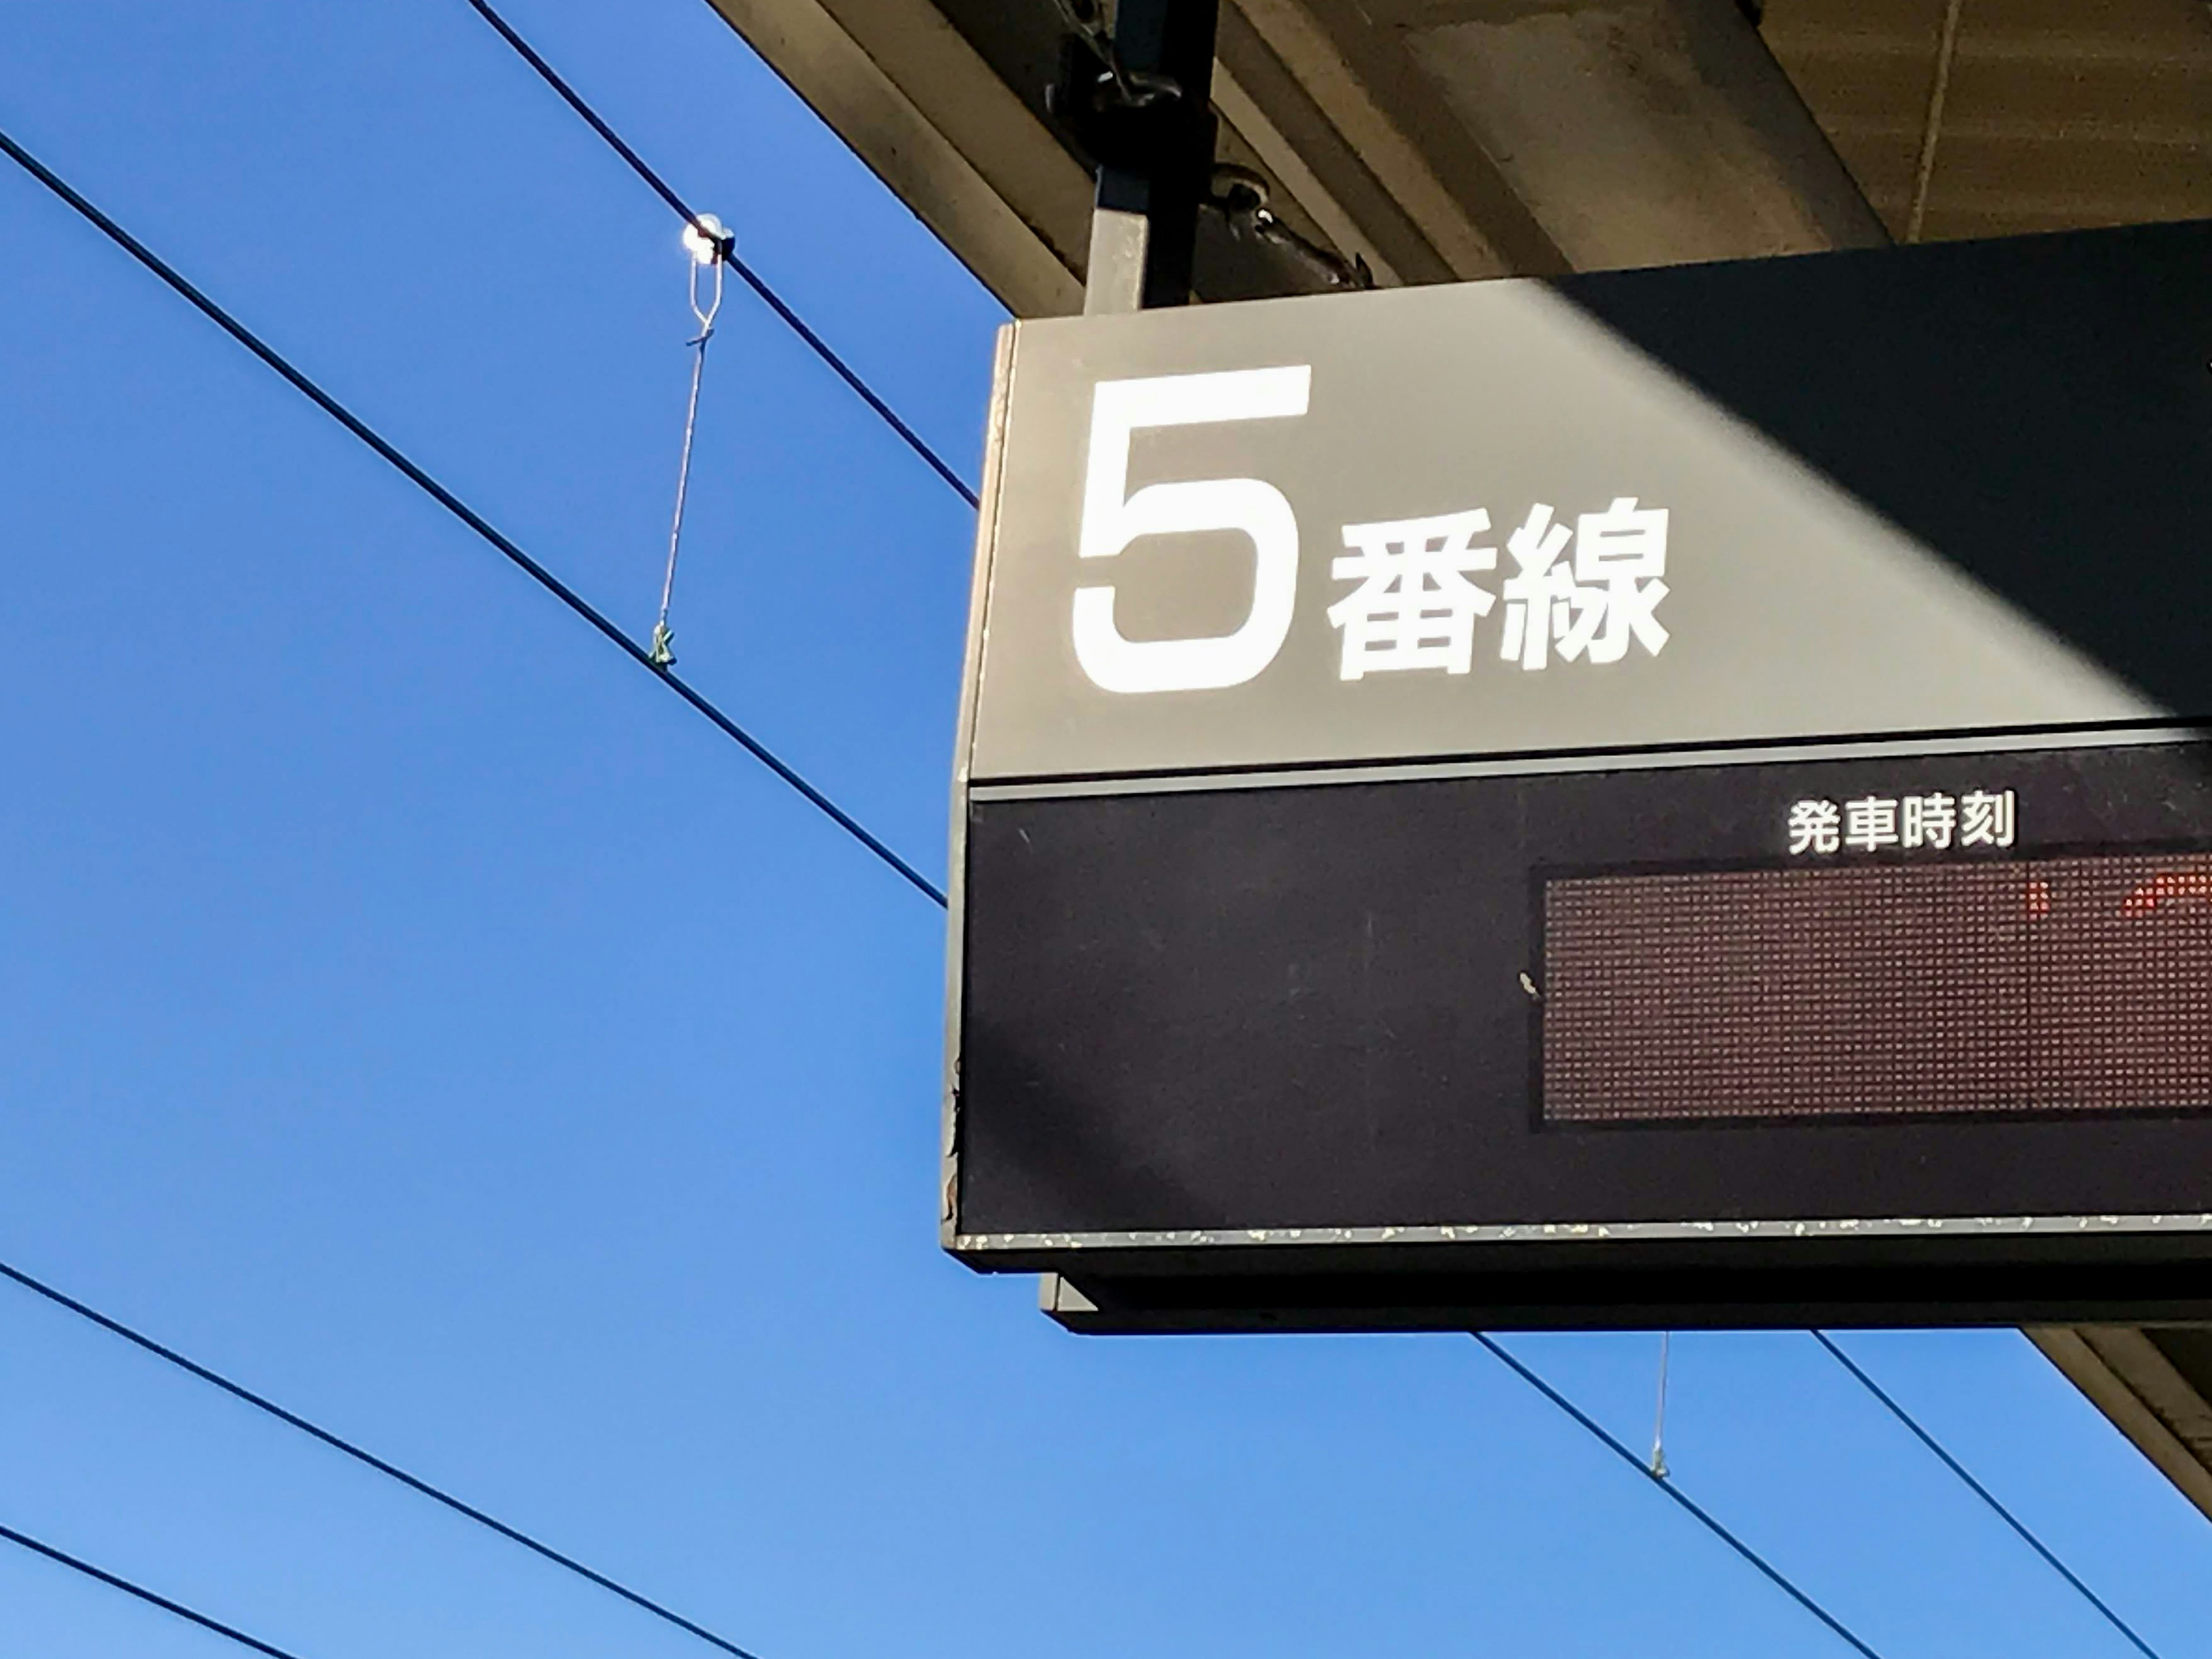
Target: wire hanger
x: 710, y: 246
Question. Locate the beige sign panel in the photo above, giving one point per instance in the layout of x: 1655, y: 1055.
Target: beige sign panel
x: 1462, y: 521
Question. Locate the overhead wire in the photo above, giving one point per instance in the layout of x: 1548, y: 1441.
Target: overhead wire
x: 461, y: 509
x: 153, y: 1598
x: 752, y: 278
x: 1943, y: 1455
x: 337, y: 1442
x: 1703, y: 1517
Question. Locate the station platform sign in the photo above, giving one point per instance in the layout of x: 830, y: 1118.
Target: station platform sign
x: 1660, y: 798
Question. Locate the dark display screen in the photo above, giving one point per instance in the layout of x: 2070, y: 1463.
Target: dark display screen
x: 1906, y: 984
x: 2073, y: 984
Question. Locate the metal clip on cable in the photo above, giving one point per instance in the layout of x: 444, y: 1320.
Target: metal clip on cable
x: 710, y: 245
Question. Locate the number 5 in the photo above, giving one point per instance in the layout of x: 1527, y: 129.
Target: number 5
x: 1118, y: 409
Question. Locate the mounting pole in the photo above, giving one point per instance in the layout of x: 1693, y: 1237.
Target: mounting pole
x: 1157, y: 162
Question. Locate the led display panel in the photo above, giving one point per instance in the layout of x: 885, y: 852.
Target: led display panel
x: 2051, y: 985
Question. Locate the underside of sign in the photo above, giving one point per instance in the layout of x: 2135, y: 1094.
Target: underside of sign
x: 1662, y: 798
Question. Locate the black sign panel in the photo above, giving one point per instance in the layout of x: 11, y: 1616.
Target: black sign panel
x: 1324, y: 1027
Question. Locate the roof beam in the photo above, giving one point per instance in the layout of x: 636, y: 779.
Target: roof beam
x: 2155, y: 1385
x: 947, y: 137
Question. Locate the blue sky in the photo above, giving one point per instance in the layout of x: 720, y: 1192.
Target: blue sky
x: 410, y: 1009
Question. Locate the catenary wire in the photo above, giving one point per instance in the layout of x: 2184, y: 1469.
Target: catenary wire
x: 1983, y: 1492
x: 337, y: 1442
x: 752, y: 279
x: 1704, y: 1519
x: 461, y: 510
x: 24, y: 1540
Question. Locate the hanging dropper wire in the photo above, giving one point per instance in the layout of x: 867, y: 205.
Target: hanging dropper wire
x: 1658, y: 1464
x: 709, y: 244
